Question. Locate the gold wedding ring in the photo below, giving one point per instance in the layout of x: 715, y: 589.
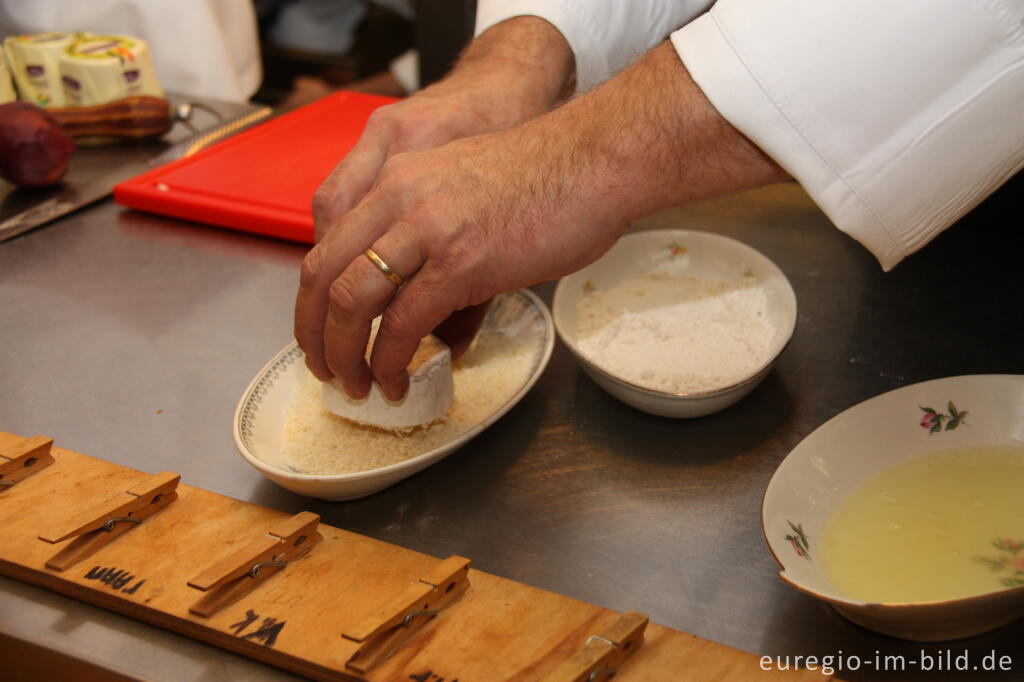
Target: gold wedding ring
x: 383, y: 267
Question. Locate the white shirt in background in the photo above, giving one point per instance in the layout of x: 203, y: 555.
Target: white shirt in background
x: 896, y: 117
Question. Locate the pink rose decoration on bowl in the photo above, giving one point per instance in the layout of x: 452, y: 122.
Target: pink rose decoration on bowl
x: 933, y: 420
x: 1009, y: 570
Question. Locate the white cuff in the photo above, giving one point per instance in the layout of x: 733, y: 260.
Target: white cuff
x: 740, y: 99
x: 895, y: 117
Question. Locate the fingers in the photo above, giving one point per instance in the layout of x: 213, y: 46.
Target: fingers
x: 422, y: 304
x: 350, y: 180
x: 321, y: 267
x: 387, y: 134
x: 340, y: 290
x: 358, y: 295
x: 461, y: 327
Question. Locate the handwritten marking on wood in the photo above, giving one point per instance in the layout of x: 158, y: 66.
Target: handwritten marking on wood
x: 266, y: 632
x: 431, y: 676
x: 117, y: 579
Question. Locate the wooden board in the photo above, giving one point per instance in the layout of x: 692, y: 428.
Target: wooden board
x: 499, y: 630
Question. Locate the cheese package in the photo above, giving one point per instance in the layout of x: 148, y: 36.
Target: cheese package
x: 99, y: 69
x: 7, y: 91
x: 431, y: 392
x: 34, y: 61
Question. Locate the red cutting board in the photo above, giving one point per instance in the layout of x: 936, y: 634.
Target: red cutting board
x: 261, y: 180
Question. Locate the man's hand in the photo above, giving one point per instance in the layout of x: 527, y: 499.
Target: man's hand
x: 513, y: 72
x: 496, y: 212
x: 460, y: 223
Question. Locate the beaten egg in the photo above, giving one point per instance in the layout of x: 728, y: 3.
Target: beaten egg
x: 936, y: 527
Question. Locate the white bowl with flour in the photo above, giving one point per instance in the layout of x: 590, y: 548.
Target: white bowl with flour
x: 677, y: 323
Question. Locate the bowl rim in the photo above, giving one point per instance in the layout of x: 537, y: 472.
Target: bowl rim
x: 267, y: 469
x: 856, y: 603
x: 756, y: 376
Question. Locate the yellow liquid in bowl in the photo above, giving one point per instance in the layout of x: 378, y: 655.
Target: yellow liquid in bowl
x: 936, y: 527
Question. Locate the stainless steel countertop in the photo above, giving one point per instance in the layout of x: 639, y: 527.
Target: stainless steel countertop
x: 131, y: 337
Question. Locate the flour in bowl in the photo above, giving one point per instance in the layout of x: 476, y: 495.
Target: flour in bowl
x: 677, y: 334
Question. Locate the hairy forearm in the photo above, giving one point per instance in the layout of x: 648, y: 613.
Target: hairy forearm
x: 649, y: 139
x: 525, y: 57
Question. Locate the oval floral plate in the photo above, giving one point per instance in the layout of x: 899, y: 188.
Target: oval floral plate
x: 261, y: 414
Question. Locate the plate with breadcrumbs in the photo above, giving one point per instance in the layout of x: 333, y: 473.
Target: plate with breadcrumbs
x: 282, y: 429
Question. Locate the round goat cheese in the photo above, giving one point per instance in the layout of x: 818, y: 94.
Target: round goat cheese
x: 430, y: 395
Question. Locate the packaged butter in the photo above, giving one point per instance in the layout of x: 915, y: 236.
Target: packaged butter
x: 34, y: 63
x: 99, y: 69
x: 7, y: 91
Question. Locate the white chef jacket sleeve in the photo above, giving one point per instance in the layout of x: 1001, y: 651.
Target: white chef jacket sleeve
x: 605, y: 35
x: 896, y: 117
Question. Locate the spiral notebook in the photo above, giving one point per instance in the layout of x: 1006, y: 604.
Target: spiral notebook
x: 261, y: 180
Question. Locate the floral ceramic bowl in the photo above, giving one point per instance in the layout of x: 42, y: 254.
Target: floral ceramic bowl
x: 702, y: 255
x: 854, y: 446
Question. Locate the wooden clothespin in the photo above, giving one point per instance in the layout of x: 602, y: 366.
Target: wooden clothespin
x: 601, y: 655
x: 114, y: 517
x: 23, y: 458
x: 235, y: 575
x: 385, y: 630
